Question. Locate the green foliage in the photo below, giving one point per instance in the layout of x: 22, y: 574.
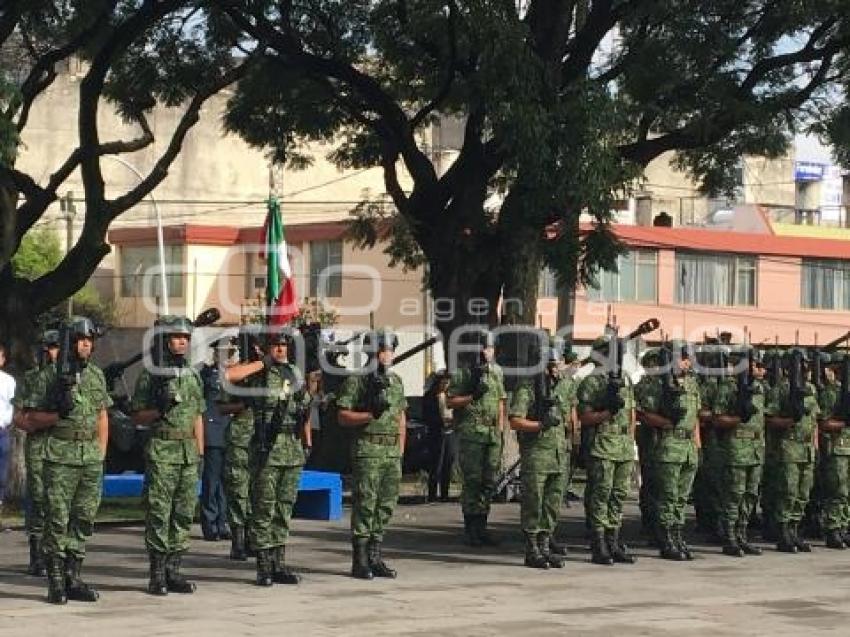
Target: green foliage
x: 376, y: 220
x: 313, y: 310
x: 9, y: 97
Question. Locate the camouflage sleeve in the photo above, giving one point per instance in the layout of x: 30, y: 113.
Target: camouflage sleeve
x: 501, y: 375
x: 348, y: 396
x: 722, y: 396
x: 521, y: 401
x: 815, y: 407
x: 827, y: 399
x: 22, y: 389
x: 773, y: 402
x: 38, y: 396
x: 401, y: 387
x: 104, y: 400
x: 141, y: 392
x: 586, y: 394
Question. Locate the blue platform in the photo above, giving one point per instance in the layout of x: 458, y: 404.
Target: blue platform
x: 319, y: 492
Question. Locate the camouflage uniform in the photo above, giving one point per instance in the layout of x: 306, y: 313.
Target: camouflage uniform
x: 834, y: 450
x: 171, y: 468
x: 545, y: 462
x: 278, y: 470
x: 742, y: 451
x: 237, y: 476
x: 795, y: 455
x: 376, y: 464
x: 708, y: 501
x: 73, y: 471
x: 480, y: 444
x: 611, y: 459
x: 646, y: 438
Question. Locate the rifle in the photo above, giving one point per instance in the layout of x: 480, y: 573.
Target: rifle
x: 378, y: 381
x: 833, y: 345
x: 543, y: 400
x: 797, y: 385
x: 746, y: 409
x: 615, y: 373
x: 671, y: 390
x: 68, y: 369
x: 774, y: 372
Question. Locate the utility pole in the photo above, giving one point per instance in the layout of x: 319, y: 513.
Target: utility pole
x: 68, y: 210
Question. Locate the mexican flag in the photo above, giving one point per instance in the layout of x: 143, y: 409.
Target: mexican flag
x: 280, y: 287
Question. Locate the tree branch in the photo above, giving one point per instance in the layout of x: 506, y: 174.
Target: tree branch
x: 451, y: 72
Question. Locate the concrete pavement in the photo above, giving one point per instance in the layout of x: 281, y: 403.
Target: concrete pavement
x: 444, y: 589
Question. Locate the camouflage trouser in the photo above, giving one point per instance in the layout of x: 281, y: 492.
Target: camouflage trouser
x: 172, y: 493
x: 374, y: 494
x: 794, y: 485
x: 606, y: 490
x: 740, y: 493
x: 647, y: 496
x: 769, y: 494
x: 542, y: 494
x: 34, y: 459
x: 835, y: 482
x: 674, y: 480
x: 237, y: 485
x: 72, y: 496
x: 708, y: 498
x: 480, y: 463
x: 274, y: 494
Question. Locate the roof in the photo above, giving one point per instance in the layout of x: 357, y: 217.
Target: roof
x: 195, y: 234
x: 702, y: 240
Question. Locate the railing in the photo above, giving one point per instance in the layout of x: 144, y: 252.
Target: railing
x: 827, y: 216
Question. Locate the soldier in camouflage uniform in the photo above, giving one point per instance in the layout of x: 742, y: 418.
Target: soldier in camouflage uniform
x: 794, y: 424
x: 608, y: 407
x: 281, y: 431
x: 646, y: 438
x: 477, y: 395
x: 739, y: 426
x: 769, y: 480
x: 373, y: 405
x: 71, y: 406
x: 542, y: 412
x: 674, y: 411
x: 834, y: 450
x: 707, y: 482
x: 237, y: 456
x: 34, y: 453
x: 169, y: 397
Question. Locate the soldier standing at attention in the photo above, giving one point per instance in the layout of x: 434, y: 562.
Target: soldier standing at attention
x: 374, y: 404
x: 677, y: 421
x: 791, y: 412
x: 477, y: 396
x: 281, y: 433
x: 169, y: 397
x: 834, y: 451
x: 647, y: 393
x: 739, y: 423
x: 609, y: 409
x: 542, y: 410
x: 70, y: 403
x: 34, y: 452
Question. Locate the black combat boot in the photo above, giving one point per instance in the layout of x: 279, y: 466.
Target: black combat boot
x: 237, y: 544
x: 619, y: 551
x: 75, y: 588
x: 265, y: 567
x: 360, y: 558
x: 679, y: 536
x: 744, y: 540
x: 487, y: 538
x: 36, y: 566
x: 224, y: 533
x: 599, y: 548
x: 157, y: 584
x: 544, y: 543
x: 56, y: 581
x: 786, y: 542
x: 534, y: 558
x: 557, y: 548
x: 281, y: 573
x: 801, y: 544
x: 834, y: 540
x: 377, y: 565
x: 470, y: 526
x: 670, y: 549
x: 731, y: 547
x: 176, y: 582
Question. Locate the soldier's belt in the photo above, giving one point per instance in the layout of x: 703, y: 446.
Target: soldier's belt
x: 747, y: 435
x: 796, y: 436
x: 75, y: 435
x: 681, y: 434
x: 608, y: 428
x: 172, y: 434
x: 381, y: 439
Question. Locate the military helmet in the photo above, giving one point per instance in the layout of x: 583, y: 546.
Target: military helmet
x: 81, y: 326
x: 650, y: 357
x: 679, y: 347
x: 379, y: 340
x: 600, y: 344
x: 570, y: 355
x: 173, y: 324
x: 50, y: 338
x: 281, y: 336
x: 834, y: 358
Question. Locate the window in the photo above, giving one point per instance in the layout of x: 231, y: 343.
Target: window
x: 140, y: 262
x: 715, y: 279
x: 323, y: 255
x: 547, y: 288
x: 636, y: 279
x: 825, y: 284
x: 255, y: 275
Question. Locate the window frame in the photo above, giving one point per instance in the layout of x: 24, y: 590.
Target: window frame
x: 334, y: 280
x: 642, y: 257
x: 731, y: 295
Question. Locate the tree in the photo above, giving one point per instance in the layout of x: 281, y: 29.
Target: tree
x: 564, y: 104
x: 137, y: 54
